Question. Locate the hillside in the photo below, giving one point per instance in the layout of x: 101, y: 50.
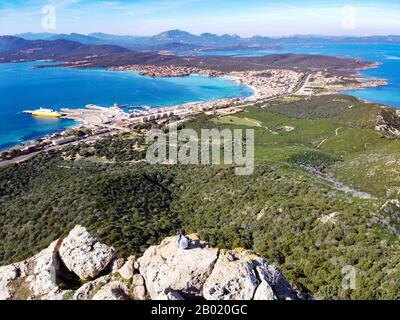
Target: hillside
x: 324, y: 195
x: 14, y: 49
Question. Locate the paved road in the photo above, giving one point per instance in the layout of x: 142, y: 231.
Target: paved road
x: 303, y: 83
x: 25, y: 157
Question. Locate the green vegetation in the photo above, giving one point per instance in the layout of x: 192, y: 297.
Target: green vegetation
x: 68, y: 295
x: 20, y: 289
x: 278, y: 211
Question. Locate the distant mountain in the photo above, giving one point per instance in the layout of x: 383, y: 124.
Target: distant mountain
x: 182, y: 41
x: 15, y: 49
x: 176, y: 36
x: 36, y: 36
x: 77, y: 38
x: 173, y: 40
x: 10, y: 43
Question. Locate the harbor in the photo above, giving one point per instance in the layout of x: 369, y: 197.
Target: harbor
x: 95, y: 121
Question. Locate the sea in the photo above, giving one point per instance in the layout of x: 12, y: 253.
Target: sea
x: 387, y: 54
x: 23, y: 87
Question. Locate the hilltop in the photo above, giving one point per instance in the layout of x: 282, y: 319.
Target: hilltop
x: 79, y: 267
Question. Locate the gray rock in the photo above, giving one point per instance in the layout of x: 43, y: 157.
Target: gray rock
x: 7, y: 274
x: 270, y: 274
x: 233, y: 278
x: 88, y: 290
x: 43, y: 269
x: 84, y: 255
x: 168, y: 266
x: 174, y: 296
x: 137, y: 280
x: 167, y: 272
x: 127, y: 270
x: 114, y: 290
x: 139, y: 293
x: 264, y: 291
x: 117, y: 264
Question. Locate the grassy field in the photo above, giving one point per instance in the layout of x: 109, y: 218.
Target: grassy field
x: 339, y: 126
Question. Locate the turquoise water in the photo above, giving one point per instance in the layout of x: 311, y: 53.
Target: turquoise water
x: 387, y: 54
x: 22, y: 88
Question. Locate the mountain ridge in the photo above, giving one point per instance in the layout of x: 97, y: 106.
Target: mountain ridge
x: 204, y: 40
x: 76, y: 54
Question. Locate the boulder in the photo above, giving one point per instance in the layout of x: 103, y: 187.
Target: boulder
x: 84, y: 255
x: 264, y: 292
x: 114, y: 290
x: 36, y: 277
x: 233, y: 278
x: 88, y: 290
x: 127, y: 270
x: 167, y: 266
x: 271, y: 275
x: 43, y: 269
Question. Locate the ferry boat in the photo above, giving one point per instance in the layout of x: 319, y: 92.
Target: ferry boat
x: 44, y: 113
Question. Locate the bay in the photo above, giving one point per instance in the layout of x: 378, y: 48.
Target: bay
x: 386, y: 53
x: 24, y: 87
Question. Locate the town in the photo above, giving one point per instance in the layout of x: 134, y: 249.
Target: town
x: 98, y: 121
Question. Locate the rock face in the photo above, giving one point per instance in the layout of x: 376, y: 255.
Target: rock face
x: 168, y: 267
x: 233, y: 278
x: 389, y: 122
x: 164, y: 272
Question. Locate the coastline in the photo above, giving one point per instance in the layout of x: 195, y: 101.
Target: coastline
x: 265, y: 85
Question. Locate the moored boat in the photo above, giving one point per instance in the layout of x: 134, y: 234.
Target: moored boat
x: 42, y: 112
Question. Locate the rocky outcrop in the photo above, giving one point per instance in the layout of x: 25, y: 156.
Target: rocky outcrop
x: 79, y: 267
x: 84, y: 255
x: 167, y: 267
x: 388, y: 122
x: 233, y: 278
x: 241, y: 275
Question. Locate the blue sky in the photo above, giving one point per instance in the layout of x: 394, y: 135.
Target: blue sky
x: 243, y: 17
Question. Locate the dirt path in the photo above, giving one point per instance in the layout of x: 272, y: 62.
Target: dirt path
x: 323, y: 141
x: 337, y: 131
x: 337, y: 184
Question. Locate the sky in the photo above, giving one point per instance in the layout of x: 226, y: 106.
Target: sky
x: 242, y: 17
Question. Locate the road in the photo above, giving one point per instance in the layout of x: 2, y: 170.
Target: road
x: 303, y: 84
x: 25, y: 157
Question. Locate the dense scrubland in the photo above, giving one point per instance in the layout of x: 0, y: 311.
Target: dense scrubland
x: 293, y: 210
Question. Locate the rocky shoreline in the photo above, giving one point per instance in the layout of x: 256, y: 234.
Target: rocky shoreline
x: 79, y: 267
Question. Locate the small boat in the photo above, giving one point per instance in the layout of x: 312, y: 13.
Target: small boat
x: 44, y: 113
